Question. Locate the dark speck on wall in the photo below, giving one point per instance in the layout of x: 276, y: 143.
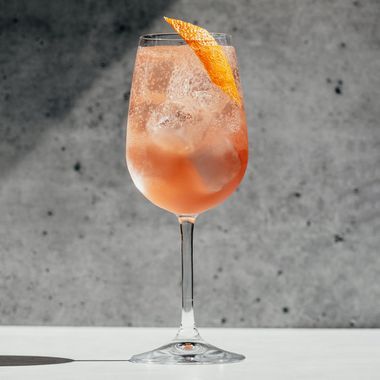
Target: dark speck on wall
x: 15, y: 20
x: 338, y: 238
x: 342, y: 45
x: 308, y: 223
x: 77, y: 166
x: 223, y: 320
x: 120, y: 28
x: 63, y: 148
x: 356, y: 190
x: 297, y: 195
x: 258, y: 300
x: 44, y: 233
x: 285, y: 310
x: 338, y: 87
x: 234, y: 29
x: 50, y: 213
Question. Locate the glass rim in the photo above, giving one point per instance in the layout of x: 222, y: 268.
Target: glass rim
x: 176, y: 37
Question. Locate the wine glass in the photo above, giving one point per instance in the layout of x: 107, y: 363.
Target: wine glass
x: 187, y: 151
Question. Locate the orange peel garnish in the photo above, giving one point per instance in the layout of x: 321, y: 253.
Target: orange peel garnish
x: 210, y: 54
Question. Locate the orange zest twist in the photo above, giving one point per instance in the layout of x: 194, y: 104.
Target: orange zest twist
x: 210, y: 54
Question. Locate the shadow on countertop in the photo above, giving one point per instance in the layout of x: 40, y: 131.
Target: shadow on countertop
x: 17, y: 361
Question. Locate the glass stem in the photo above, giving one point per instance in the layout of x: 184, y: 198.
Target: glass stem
x: 187, y: 331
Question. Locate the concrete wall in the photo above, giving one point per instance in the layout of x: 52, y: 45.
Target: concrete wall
x: 297, y: 245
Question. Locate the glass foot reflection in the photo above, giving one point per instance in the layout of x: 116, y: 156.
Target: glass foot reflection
x: 187, y: 352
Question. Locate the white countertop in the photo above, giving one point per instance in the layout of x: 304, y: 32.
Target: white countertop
x: 270, y: 353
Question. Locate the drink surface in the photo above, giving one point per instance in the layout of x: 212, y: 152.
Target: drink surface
x: 187, y: 145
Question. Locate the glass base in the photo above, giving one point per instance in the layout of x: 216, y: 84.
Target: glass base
x: 187, y: 352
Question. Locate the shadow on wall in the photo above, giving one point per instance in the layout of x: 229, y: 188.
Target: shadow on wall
x: 50, y: 52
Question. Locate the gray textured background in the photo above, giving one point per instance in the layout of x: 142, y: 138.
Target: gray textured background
x: 297, y: 245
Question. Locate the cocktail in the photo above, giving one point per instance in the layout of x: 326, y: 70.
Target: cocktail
x: 186, y: 150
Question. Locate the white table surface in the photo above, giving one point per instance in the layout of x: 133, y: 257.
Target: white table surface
x: 278, y: 354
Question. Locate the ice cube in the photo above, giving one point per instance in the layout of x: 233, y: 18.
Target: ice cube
x: 195, y: 84
x: 139, y: 113
x: 157, y: 74
x: 193, y: 88
x: 190, y: 87
x: 231, y: 117
x: 174, y: 126
x: 180, y: 83
x: 205, y: 94
x: 217, y: 163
